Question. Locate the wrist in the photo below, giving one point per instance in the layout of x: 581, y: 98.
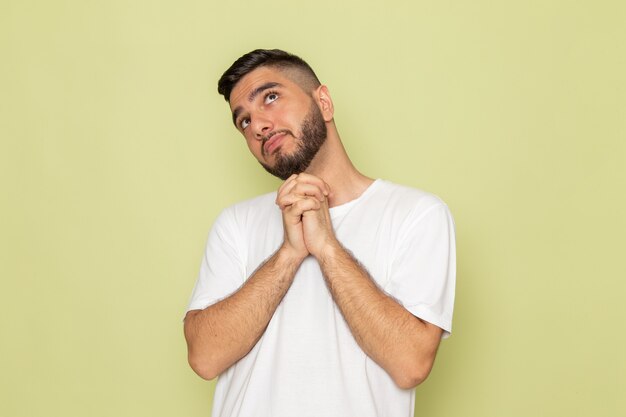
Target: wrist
x: 329, y: 251
x: 290, y: 255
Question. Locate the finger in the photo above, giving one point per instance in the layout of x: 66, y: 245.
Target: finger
x: 302, y: 205
x: 305, y: 189
x: 297, y: 192
x: 286, y: 186
x: 288, y: 200
x: 312, y: 179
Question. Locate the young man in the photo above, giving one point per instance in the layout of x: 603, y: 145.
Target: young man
x: 328, y: 297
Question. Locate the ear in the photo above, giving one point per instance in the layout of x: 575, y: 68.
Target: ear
x: 324, y: 102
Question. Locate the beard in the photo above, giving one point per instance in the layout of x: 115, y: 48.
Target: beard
x: 313, y: 134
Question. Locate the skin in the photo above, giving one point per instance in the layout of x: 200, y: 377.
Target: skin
x: 218, y: 336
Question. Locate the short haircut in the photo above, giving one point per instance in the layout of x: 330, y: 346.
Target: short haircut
x: 295, y: 67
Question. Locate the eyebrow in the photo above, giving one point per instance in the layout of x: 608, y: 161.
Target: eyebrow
x: 253, y: 94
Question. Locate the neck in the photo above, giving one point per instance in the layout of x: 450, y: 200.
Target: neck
x: 333, y: 165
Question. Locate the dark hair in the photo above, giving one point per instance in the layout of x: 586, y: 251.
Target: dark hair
x: 265, y: 58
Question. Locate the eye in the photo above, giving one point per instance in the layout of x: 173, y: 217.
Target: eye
x: 270, y: 97
x: 245, y: 122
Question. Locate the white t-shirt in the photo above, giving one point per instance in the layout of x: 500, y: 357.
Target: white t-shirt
x: 307, y: 362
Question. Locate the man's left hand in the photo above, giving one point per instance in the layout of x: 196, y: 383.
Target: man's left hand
x: 318, y: 230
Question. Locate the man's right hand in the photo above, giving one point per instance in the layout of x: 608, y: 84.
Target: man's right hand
x: 294, y: 197
x: 221, y: 334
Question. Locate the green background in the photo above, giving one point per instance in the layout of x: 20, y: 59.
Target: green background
x: 117, y: 154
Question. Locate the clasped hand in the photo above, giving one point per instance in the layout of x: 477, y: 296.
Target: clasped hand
x: 303, y: 200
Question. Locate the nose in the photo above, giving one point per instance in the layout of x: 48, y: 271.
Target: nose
x: 261, y: 125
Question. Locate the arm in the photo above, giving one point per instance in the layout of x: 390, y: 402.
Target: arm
x: 221, y: 334
x: 402, y: 344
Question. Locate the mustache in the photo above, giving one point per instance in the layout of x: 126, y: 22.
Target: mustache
x: 275, y: 132
x: 267, y: 137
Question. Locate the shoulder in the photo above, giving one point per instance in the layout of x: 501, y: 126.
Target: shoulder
x: 409, y: 200
x: 255, y: 209
x: 261, y: 202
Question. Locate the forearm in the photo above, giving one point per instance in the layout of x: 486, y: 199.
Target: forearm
x: 400, y: 343
x: 223, y: 333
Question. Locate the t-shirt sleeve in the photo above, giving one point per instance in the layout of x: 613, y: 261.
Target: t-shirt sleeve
x: 423, y: 270
x: 222, y: 270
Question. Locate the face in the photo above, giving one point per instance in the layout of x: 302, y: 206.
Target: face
x: 282, y: 124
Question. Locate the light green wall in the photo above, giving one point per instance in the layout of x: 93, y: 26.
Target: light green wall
x: 117, y: 154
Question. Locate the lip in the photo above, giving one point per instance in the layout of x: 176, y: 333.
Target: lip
x: 273, y: 143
